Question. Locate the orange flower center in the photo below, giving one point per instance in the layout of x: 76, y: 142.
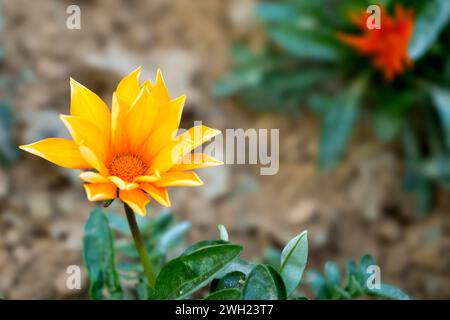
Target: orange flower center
x: 127, y: 166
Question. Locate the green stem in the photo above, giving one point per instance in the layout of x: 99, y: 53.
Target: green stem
x: 140, y: 247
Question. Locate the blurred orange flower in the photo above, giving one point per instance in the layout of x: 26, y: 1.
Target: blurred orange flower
x: 388, y: 46
x: 133, y: 149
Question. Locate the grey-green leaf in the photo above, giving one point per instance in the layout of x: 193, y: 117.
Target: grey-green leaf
x: 293, y: 261
x: 337, y: 125
x: 332, y: 274
x: 225, y: 294
x: 172, y: 237
x: 428, y: 24
x: 264, y: 283
x: 223, y: 232
x: 389, y: 292
x: 303, y: 44
x: 189, y: 272
x: 233, y: 279
x: 99, y: 258
x: 441, y: 100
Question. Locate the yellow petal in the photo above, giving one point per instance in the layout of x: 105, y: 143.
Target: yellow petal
x: 179, y: 179
x: 63, y: 152
x: 128, y: 88
x: 94, y: 161
x: 88, y: 105
x: 140, y: 120
x: 136, y: 199
x: 123, y: 185
x: 166, y: 129
x: 119, y: 113
x: 100, y: 191
x: 196, y: 161
x: 147, y: 84
x: 149, y: 178
x: 93, y: 177
x: 174, y: 152
x: 159, y: 90
x: 159, y: 194
x: 86, y: 133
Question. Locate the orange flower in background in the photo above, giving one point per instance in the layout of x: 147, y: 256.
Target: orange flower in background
x: 388, y: 46
x: 133, y: 151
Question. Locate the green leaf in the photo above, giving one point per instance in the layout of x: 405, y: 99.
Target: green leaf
x: 414, y: 180
x: 189, y: 272
x: 202, y: 244
x: 142, y: 289
x: 429, y: 22
x: 239, y: 265
x: 293, y: 261
x: 353, y: 278
x: 233, y: 279
x: 154, y: 228
x: 366, y: 261
x: 272, y: 256
x: 264, y: 283
x: 275, y: 12
x: 225, y: 294
x: 441, y: 100
x: 437, y: 167
x: 223, y: 232
x: 8, y: 149
x: 388, y: 291
x: 337, y: 125
x: 172, y: 237
x: 98, y: 249
x: 300, y: 298
x: 332, y: 274
x: 303, y: 44
x: 317, y: 284
x: 237, y: 80
x: 119, y: 223
x: 107, y: 203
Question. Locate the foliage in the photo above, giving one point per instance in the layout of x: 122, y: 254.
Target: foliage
x: 303, y: 63
x: 8, y: 150
x: 329, y: 285
x: 211, y: 269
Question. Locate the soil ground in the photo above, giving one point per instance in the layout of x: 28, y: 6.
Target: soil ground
x: 358, y: 208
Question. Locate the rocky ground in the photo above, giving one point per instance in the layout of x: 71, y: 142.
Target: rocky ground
x: 358, y: 208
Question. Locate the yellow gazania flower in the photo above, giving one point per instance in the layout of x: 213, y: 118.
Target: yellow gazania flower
x: 133, y: 149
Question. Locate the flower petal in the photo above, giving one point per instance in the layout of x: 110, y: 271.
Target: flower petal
x: 148, y: 178
x: 85, y: 132
x: 88, y: 105
x: 119, y: 113
x: 174, y: 152
x: 63, y: 152
x: 94, y: 161
x: 179, y: 179
x: 159, y: 90
x: 128, y: 88
x: 123, y: 185
x: 140, y: 119
x: 196, y: 161
x: 136, y: 199
x: 93, y: 177
x: 167, y: 129
x: 159, y: 194
x: 100, y: 191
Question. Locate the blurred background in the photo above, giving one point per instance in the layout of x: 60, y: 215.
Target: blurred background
x: 358, y: 207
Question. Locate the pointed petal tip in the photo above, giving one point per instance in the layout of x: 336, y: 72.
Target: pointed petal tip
x: 159, y: 75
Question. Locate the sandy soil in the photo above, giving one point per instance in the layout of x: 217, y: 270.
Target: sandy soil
x: 358, y: 208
